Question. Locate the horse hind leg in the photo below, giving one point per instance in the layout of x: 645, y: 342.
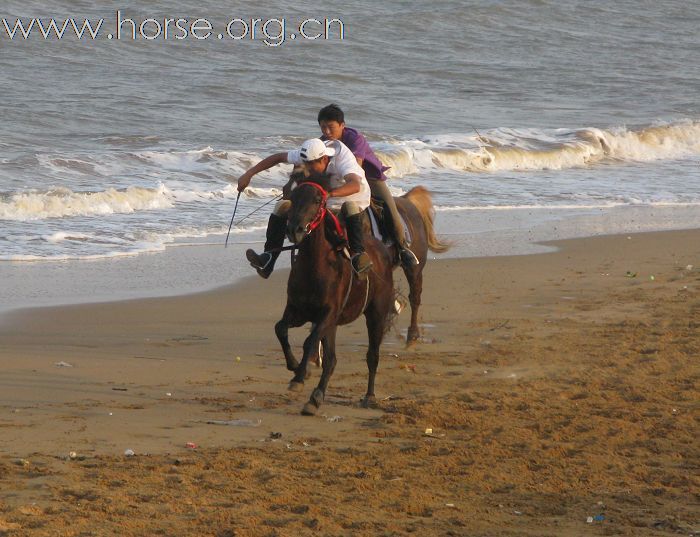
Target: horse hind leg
x: 375, y: 319
x: 328, y: 364
x: 414, y: 275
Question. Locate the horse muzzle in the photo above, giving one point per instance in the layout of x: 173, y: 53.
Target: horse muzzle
x: 296, y: 232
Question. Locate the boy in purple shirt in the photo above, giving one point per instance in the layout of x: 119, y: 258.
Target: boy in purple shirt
x: 332, y: 122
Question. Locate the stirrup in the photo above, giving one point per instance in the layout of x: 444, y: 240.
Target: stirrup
x: 360, y: 271
x: 408, y: 258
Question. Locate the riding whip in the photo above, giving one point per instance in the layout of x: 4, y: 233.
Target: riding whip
x: 234, y: 216
x: 256, y: 210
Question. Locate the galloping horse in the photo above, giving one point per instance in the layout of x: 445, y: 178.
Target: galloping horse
x: 323, y: 289
x: 416, y: 209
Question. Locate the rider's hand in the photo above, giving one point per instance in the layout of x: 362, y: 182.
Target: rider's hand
x: 244, y: 181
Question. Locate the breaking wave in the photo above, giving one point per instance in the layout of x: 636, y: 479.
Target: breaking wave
x: 60, y: 202
x: 530, y: 149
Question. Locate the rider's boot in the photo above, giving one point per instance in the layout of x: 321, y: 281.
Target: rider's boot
x: 361, y: 262
x: 264, y: 263
x: 393, y: 222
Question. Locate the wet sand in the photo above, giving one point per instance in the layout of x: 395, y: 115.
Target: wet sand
x: 556, y: 387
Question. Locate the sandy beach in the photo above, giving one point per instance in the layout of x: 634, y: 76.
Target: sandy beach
x: 551, y: 394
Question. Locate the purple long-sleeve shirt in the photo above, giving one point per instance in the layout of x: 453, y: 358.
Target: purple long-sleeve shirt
x: 361, y: 149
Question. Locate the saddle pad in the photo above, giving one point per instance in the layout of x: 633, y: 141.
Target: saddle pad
x: 378, y: 235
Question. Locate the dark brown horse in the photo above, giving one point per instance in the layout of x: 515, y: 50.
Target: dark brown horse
x: 323, y: 290
x: 416, y: 208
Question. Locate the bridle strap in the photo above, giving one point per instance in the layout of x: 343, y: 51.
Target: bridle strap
x: 320, y: 215
x: 338, y: 228
x: 323, y: 211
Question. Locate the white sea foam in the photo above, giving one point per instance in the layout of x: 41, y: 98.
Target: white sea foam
x: 178, y: 160
x: 61, y: 202
x: 168, y: 196
x: 61, y: 236
x: 529, y: 149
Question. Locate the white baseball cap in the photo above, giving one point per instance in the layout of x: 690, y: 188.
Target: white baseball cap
x: 314, y: 149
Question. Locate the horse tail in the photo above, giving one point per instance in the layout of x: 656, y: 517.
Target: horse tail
x: 420, y: 197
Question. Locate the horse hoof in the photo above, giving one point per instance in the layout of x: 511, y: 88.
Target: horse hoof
x: 309, y: 409
x: 411, y: 340
x: 369, y: 401
x: 295, y: 386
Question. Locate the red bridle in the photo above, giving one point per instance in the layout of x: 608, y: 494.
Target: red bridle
x: 322, y: 211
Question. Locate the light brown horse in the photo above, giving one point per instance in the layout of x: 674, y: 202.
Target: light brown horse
x: 416, y: 208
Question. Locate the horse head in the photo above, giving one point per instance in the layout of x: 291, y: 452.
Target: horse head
x: 308, y: 208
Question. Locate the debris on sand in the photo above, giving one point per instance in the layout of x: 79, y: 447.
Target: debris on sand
x: 236, y: 423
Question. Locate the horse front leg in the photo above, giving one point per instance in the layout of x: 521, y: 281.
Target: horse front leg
x: 414, y: 275
x: 311, y: 348
x: 329, y: 361
x: 282, y: 332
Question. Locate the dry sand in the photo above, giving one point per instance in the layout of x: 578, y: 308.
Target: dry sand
x: 557, y: 388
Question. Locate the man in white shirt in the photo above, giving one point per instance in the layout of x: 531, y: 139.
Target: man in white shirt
x: 349, y: 192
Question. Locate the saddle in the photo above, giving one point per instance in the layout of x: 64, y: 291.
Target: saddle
x: 380, y: 223
x: 375, y: 223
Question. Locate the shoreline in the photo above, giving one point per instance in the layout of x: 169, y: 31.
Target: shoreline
x: 545, y: 247
x: 198, y: 267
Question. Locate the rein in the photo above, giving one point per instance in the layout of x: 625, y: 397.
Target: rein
x: 318, y: 218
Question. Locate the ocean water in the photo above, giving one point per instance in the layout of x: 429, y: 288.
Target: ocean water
x: 517, y: 114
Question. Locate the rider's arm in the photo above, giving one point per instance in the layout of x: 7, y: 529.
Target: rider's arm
x: 264, y: 164
x: 352, y: 186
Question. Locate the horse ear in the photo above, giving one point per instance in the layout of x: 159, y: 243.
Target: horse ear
x: 298, y: 175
